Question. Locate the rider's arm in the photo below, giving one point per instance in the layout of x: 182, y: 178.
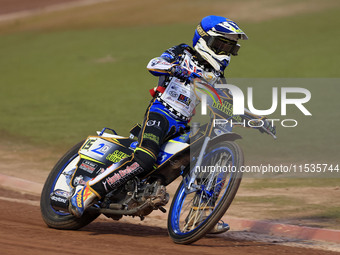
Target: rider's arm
x: 159, y: 66
x: 248, y: 116
x: 162, y: 65
x: 227, y: 95
x: 249, y: 119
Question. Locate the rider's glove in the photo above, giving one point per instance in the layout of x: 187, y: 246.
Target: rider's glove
x: 180, y: 72
x: 267, y: 125
x: 183, y: 74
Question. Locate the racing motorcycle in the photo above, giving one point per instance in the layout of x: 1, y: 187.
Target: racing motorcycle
x: 206, y: 157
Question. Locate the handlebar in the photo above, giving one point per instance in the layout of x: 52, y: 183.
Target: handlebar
x: 269, y: 133
x: 212, y: 88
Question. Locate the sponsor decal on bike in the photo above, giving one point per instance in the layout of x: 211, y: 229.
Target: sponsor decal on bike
x: 62, y: 193
x: 133, y: 145
x: 121, y: 175
x: 88, y: 144
x: 116, y: 156
x: 88, y: 166
x: 101, y: 149
x: 79, y: 180
x: 96, y: 148
x: 59, y: 199
x: 79, y: 199
x: 226, y: 108
x: 87, y: 193
x: 100, y: 171
x: 129, y: 169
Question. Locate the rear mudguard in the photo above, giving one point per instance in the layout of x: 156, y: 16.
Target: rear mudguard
x: 224, y: 137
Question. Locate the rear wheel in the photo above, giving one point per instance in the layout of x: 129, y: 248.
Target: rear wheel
x: 193, y: 213
x: 59, y: 178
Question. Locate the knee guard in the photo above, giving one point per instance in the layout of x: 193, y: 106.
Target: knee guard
x: 154, y: 130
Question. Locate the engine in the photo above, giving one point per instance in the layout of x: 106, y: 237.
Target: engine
x: 135, y: 198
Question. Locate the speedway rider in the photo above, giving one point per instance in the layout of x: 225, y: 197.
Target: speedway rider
x: 173, y: 102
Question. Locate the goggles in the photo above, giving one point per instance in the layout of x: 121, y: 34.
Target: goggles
x: 222, y: 46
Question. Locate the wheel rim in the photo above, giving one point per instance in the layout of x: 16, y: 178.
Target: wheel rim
x: 192, y: 210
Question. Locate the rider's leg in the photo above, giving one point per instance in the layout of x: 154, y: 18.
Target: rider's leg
x: 154, y: 130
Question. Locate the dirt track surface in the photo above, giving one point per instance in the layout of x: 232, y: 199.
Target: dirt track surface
x: 9, y: 6
x: 23, y: 231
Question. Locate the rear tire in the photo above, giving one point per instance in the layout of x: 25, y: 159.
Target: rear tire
x: 178, y: 233
x: 57, y: 219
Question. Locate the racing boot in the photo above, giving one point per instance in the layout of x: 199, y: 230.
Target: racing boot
x: 219, y: 228
x: 81, y: 199
x: 198, y: 215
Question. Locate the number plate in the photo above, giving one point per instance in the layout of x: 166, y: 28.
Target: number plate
x: 102, y: 151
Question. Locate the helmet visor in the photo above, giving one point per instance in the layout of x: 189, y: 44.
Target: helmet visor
x: 223, y: 46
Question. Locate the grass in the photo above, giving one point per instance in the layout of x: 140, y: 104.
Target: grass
x: 329, y: 213
x: 54, y: 88
x: 270, y: 201
x: 259, y: 184
x: 298, y: 46
x: 312, y: 202
x: 289, y: 209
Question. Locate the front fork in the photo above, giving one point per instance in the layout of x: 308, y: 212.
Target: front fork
x: 189, y: 180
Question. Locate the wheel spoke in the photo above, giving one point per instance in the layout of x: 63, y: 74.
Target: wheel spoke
x: 195, y: 210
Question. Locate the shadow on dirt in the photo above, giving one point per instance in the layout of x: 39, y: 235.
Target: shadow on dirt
x: 128, y: 229
x: 102, y: 228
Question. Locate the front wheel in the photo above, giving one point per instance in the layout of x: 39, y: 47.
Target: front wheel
x: 194, y: 212
x: 59, y: 178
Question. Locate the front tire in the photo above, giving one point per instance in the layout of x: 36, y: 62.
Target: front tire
x: 203, y: 207
x: 61, y: 219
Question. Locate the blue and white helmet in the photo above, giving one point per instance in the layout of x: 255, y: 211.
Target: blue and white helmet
x: 215, y: 40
